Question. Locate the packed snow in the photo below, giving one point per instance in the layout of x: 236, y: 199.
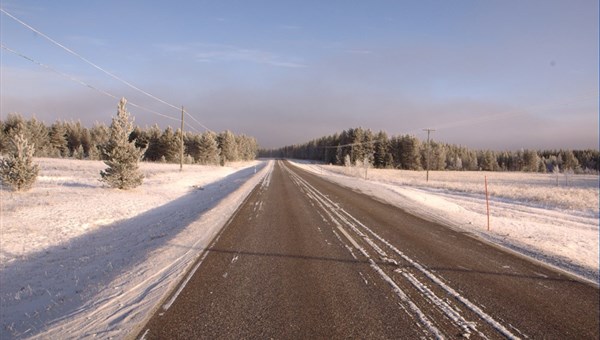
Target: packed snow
x: 79, y: 259
x: 551, y: 218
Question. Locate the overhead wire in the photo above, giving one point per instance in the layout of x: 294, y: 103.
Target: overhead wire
x: 195, y: 120
x: 98, y: 67
x: 68, y: 76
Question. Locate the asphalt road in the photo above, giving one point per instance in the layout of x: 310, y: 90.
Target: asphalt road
x: 305, y: 258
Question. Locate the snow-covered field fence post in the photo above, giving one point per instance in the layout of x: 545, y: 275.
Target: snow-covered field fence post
x: 487, y: 203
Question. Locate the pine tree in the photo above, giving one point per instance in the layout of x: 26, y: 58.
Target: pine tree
x: 358, y: 148
x: 488, y: 161
x: 569, y: 161
x: 382, y: 154
x: 74, y: 136
x: 17, y: 169
x: 531, y: 161
x: 99, y: 135
x: 58, y: 141
x: 153, y: 151
x: 122, y: 156
x: 38, y: 136
x: 169, y: 145
x: 437, y: 154
x: 407, y: 152
x: 208, y: 149
x: 248, y: 148
x: 228, y: 146
x: 3, y: 138
x: 79, y: 153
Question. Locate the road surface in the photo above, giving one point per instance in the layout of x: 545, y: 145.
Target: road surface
x: 306, y: 258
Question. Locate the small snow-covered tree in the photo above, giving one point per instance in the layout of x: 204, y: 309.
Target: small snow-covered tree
x: 531, y: 161
x: 556, y: 172
x: 347, y: 161
x: 17, y: 169
x: 122, y: 156
x: 78, y: 153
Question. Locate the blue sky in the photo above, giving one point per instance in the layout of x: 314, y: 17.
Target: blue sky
x: 486, y: 74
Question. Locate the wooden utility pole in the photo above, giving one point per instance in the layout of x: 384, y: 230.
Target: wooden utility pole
x: 181, y: 143
x: 428, y: 150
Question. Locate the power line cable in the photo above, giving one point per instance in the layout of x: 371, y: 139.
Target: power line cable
x: 96, y: 66
x: 4, y: 47
x: 86, y: 60
x: 194, y: 119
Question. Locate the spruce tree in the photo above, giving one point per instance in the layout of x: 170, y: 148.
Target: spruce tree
x: 169, y: 146
x: 17, y: 169
x: 57, y: 139
x: 228, y: 146
x: 153, y: 149
x: 208, y: 149
x: 122, y: 156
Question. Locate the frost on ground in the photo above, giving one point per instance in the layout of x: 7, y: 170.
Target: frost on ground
x: 552, y: 219
x: 79, y: 259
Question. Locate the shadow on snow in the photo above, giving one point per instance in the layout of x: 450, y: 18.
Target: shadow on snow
x: 59, y: 281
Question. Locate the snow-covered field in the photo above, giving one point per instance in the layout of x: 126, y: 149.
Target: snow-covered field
x: 79, y: 259
x: 529, y: 213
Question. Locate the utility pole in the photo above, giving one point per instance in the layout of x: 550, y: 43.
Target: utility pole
x: 428, y: 150
x: 181, y: 143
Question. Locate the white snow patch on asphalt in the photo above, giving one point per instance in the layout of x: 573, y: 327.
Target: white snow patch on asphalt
x: 529, y: 212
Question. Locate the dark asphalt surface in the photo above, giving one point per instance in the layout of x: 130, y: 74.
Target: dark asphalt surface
x: 305, y: 258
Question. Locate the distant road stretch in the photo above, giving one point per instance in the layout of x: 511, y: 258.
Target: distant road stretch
x: 305, y: 258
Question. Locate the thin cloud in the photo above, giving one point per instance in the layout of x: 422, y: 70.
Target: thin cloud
x: 222, y: 52
x: 359, y: 51
x: 290, y: 27
x: 172, y: 48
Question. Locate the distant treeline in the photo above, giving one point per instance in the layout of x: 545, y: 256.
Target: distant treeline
x: 357, y: 145
x: 71, y: 139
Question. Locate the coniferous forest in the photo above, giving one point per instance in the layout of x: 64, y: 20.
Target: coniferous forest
x: 64, y: 139
x: 358, y: 145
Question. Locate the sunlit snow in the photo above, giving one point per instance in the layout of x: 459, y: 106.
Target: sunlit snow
x: 79, y: 259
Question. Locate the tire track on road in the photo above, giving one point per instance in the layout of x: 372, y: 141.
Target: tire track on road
x: 341, y: 218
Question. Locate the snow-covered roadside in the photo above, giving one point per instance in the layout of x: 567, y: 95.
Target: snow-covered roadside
x: 81, y: 260
x: 525, y: 214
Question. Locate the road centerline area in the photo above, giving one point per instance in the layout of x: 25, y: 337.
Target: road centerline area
x: 305, y: 258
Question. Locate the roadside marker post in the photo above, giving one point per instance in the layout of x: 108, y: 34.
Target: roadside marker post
x: 487, y: 203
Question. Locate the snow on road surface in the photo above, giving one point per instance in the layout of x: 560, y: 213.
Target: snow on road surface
x: 530, y: 213
x: 79, y: 259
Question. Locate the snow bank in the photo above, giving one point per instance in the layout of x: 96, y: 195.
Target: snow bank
x: 81, y: 260
x: 529, y: 212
